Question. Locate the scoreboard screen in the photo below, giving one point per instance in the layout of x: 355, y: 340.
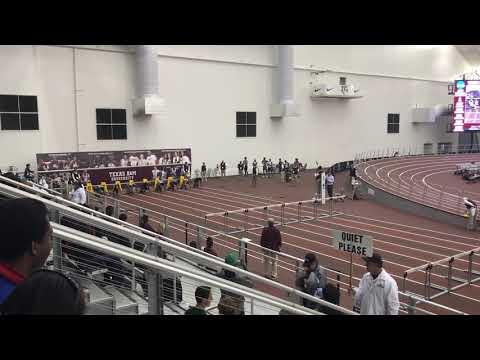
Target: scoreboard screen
x: 466, y: 105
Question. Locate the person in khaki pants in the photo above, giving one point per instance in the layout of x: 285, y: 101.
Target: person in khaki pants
x: 270, y: 240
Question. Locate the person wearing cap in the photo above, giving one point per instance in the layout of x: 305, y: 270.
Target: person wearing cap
x: 471, y: 212
x: 311, y: 278
x: 227, y: 296
x: 377, y: 293
x: 270, y: 240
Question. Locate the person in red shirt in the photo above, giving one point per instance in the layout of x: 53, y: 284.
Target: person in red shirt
x: 270, y: 240
x: 26, y: 241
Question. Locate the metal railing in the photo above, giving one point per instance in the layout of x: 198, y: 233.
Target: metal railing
x: 158, y: 268
x: 136, y: 234
x: 246, y: 248
x: 443, y: 197
x: 415, y: 150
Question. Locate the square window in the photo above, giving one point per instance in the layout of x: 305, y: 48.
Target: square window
x: 241, y: 118
x: 119, y: 132
x: 119, y: 116
x: 251, y: 130
x: 9, y: 103
x: 104, y: 132
x: 28, y: 104
x: 104, y: 116
x: 241, y: 131
x: 10, y: 121
x: 251, y: 117
x: 29, y: 121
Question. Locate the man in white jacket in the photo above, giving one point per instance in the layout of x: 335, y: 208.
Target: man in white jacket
x: 377, y: 293
x: 79, y: 196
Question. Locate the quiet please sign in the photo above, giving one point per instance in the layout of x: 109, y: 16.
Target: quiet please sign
x: 353, y: 243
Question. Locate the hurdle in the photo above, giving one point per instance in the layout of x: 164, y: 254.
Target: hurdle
x: 463, y: 276
x: 247, y: 219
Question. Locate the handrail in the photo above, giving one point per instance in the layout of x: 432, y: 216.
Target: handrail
x: 170, y: 244
x: 159, y: 264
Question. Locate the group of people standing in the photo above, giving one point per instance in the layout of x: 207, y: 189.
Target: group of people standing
x: 377, y: 293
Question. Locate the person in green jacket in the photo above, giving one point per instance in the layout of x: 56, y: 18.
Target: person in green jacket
x: 203, y: 296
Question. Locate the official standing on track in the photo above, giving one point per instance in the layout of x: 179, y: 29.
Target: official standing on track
x: 377, y: 293
x: 271, y: 240
x: 330, y: 181
x: 471, y: 212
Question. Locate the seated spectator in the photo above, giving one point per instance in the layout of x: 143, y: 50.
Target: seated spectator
x: 209, y: 247
x: 109, y: 210
x: 25, y: 241
x: 203, y: 296
x: 46, y: 292
x: 311, y: 278
x: 123, y: 217
x: 230, y: 306
x: 145, y: 224
x: 193, y: 244
x: 232, y: 259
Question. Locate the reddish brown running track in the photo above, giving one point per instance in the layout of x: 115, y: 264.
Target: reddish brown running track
x: 429, y: 180
x: 404, y: 240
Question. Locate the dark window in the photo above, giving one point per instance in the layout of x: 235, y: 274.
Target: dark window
x: 104, y: 116
x: 9, y: 103
x: 18, y: 112
x: 241, y: 131
x: 119, y: 116
x: 10, y: 121
x: 29, y: 121
x: 246, y: 124
x: 251, y: 130
x: 251, y: 118
x: 28, y: 104
x: 104, y: 132
x: 119, y: 132
x: 241, y: 118
x: 111, y: 124
x: 393, y: 123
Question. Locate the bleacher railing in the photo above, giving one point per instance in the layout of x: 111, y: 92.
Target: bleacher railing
x: 158, y: 268
x: 411, y: 302
x: 114, y: 229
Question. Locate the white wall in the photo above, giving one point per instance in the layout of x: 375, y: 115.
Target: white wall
x: 204, y: 86
x: 431, y: 62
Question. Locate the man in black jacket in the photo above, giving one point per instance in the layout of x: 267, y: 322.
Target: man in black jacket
x: 28, y: 173
x: 270, y: 240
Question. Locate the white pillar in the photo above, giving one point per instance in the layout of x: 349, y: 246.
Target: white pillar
x: 146, y: 71
x: 285, y: 73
